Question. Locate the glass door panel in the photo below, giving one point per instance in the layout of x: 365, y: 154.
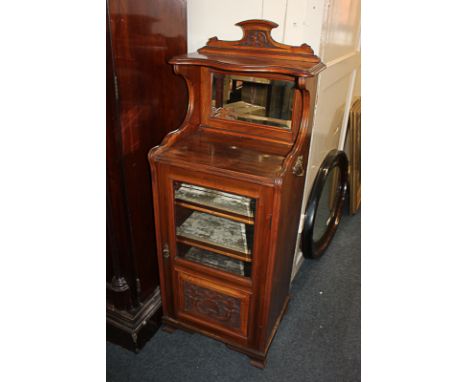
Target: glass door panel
x: 214, y: 228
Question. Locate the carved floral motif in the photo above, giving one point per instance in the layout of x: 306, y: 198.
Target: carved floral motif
x: 257, y: 39
x: 217, y: 306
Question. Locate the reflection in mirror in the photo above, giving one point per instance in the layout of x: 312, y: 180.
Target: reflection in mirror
x: 326, y: 204
x: 252, y: 99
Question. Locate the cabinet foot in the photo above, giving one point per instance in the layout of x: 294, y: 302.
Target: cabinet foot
x: 169, y: 329
x: 258, y: 363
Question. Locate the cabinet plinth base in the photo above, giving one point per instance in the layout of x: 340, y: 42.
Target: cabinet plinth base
x: 257, y: 358
x: 132, y: 329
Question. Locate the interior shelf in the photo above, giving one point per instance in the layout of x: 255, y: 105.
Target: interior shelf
x: 215, y: 231
x: 216, y: 200
x: 214, y: 260
x: 214, y: 248
x: 216, y: 212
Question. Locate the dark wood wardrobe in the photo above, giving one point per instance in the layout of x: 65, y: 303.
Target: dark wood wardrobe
x: 145, y: 101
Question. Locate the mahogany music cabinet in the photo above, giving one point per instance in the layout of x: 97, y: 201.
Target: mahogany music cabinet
x: 228, y: 187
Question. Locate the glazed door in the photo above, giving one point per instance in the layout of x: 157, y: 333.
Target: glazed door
x: 214, y: 228
x: 218, y: 243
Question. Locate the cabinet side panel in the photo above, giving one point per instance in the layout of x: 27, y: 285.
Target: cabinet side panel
x: 290, y: 196
x: 288, y: 223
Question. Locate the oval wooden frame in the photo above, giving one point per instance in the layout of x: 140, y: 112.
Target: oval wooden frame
x: 315, y: 249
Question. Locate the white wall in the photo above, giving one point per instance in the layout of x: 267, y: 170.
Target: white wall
x: 299, y: 20
x: 330, y: 27
x: 340, y: 51
x: 208, y: 18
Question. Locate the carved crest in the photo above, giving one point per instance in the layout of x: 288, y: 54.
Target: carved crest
x: 257, y: 37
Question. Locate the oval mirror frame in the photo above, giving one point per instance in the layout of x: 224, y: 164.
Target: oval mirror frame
x: 315, y: 248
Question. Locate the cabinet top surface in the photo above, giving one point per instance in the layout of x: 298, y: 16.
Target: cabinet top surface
x: 250, y: 64
x: 235, y: 154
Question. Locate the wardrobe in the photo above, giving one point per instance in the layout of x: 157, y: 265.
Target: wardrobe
x: 145, y: 101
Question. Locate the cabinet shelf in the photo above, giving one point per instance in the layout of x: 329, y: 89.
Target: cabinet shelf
x: 235, y: 206
x: 216, y: 261
x: 216, y: 212
x: 214, y: 248
x: 217, y: 231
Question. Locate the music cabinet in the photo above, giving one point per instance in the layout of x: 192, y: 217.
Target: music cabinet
x: 228, y: 187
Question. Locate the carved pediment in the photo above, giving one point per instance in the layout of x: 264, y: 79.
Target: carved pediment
x: 257, y: 40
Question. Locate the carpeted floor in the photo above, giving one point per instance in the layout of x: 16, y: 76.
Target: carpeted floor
x: 318, y: 339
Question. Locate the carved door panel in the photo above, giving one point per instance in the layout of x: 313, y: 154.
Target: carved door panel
x: 212, y: 304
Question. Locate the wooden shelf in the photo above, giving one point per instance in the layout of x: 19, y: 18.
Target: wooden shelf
x: 214, y: 248
x: 215, y: 261
x: 223, y: 202
x: 216, y: 212
x: 216, y: 231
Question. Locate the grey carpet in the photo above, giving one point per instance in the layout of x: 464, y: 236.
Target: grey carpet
x: 318, y: 339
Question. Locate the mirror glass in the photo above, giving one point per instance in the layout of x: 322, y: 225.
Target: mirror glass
x: 326, y: 205
x: 252, y: 99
